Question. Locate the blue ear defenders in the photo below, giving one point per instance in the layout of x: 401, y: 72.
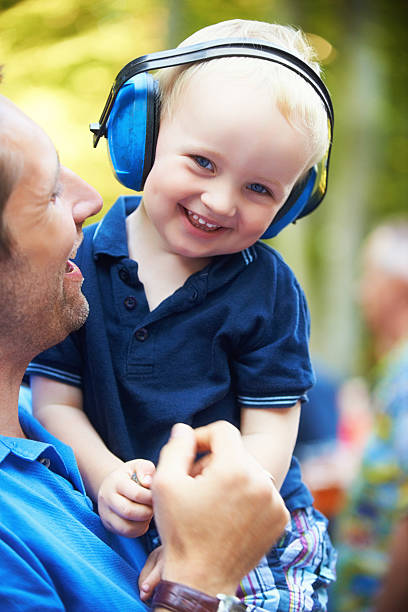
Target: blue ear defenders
x: 130, y: 118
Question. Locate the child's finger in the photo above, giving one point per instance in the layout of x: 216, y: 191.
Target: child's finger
x: 132, y: 490
x: 141, y: 471
x: 124, y: 527
x: 131, y: 511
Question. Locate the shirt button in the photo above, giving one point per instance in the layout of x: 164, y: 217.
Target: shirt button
x: 194, y: 295
x: 141, y: 334
x: 130, y: 302
x: 45, y: 461
x: 124, y: 275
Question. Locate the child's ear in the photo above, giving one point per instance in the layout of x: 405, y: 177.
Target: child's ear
x: 132, y: 130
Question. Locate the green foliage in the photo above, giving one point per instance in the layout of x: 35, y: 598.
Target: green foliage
x: 60, y: 59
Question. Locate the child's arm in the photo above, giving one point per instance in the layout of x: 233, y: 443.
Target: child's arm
x: 124, y: 505
x: 270, y: 436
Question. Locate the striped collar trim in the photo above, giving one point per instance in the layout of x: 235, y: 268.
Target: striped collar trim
x: 248, y: 255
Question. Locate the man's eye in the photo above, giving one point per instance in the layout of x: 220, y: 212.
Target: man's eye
x: 258, y: 188
x: 55, y: 195
x: 203, y: 162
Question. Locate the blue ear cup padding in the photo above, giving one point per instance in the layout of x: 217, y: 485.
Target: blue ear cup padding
x: 294, y: 205
x: 132, y: 130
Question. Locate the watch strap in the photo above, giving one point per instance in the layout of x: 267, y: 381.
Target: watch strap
x: 181, y: 598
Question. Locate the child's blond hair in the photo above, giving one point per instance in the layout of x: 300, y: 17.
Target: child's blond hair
x: 295, y: 98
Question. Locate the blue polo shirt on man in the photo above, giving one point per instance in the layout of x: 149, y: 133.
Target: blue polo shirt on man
x: 236, y: 333
x: 55, y: 553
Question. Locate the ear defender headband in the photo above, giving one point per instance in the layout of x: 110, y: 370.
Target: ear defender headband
x: 130, y: 118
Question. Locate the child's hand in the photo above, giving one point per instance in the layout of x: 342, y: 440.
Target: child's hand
x: 125, y: 499
x: 151, y: 573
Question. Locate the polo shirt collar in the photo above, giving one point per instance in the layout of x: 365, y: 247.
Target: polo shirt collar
x: 40, y: 442
x: 223, y: 269
x: 25, y: 448
x: 110, y: 236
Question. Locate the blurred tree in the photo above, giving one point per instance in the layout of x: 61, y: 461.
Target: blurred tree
x: 60, y: 60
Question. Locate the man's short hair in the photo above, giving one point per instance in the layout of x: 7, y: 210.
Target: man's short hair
x: 9, y: 171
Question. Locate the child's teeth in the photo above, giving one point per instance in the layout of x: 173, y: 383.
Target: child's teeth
x: 201, y: 221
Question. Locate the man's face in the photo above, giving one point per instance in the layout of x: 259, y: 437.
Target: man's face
x: 226, y: 161
x: 41, y: 289
x: 380, y: 296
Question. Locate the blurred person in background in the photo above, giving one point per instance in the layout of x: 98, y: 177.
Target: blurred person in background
x: 372, y: 530
x: 318, y: 442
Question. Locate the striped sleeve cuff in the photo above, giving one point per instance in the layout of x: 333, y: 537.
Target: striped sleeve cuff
x: 49, y: 372
x: 271, y: 401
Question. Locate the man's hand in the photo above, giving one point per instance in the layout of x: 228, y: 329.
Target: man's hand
x: 151, y: 573
x: 218, y: 517
x: 125, y: 499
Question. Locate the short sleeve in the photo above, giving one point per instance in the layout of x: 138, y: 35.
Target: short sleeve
x: 274, y: 367
x: 62, y: 363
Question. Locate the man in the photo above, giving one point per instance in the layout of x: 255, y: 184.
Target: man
x: 373, y: 527
x: 54, y: 552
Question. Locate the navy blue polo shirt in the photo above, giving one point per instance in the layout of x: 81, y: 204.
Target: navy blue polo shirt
x: 55, y: 554
x: 236, y: 333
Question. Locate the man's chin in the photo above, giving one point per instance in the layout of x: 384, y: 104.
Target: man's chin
x: 80, y: 314
x: 76, y: 314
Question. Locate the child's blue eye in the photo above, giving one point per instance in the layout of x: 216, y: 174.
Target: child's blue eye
x: 203, y: 162
x: 257, y: 188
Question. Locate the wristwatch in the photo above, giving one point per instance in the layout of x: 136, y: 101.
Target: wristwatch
x: 181, y: 598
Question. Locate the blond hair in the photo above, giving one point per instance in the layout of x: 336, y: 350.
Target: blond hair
x: 295, y: 98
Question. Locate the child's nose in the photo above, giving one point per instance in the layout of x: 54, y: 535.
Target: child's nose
x: 220, y: 202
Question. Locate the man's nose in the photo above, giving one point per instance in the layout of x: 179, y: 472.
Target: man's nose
x: 88, y: 204
x: 85, y: 200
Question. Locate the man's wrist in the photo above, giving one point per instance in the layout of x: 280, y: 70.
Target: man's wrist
x: 178, y: 597
x: 197, y: 576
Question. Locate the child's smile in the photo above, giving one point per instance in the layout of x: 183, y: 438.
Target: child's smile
x: 201, y: 222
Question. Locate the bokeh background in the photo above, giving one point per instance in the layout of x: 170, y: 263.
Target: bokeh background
x: 60, y: 58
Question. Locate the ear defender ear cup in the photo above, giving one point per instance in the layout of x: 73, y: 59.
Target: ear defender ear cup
x: 132, y: 130
x: 292, y: 209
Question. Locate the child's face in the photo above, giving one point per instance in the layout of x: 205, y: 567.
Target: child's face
x: 226, y: 161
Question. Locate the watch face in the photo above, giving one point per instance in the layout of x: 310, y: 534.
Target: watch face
x: 229, y: 603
